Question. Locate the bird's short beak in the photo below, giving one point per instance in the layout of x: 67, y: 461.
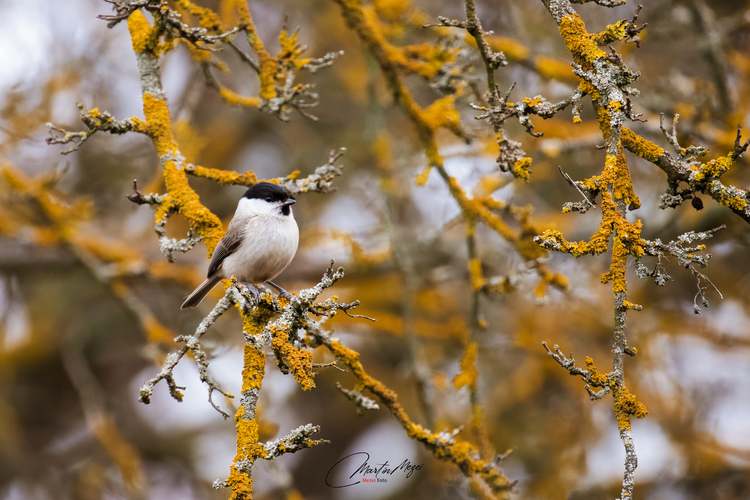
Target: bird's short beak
x: 290, y: 201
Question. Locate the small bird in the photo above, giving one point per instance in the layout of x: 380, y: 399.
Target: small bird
x: 260, y: 242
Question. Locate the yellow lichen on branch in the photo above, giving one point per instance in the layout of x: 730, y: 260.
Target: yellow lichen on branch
x: 267, y: 64
x: 224, y: 177
x: 597, y: 379
x: 147, y: 38
x: 234, y: 99
x: 626, y: 404
x: 580, y: 44
x: 297, y: 361
x: 181, y: 197
x: 248, y: 448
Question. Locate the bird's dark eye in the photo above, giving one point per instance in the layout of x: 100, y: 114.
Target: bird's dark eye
x: 269, y: 199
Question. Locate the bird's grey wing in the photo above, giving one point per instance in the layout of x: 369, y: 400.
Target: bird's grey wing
x: 226, y: 247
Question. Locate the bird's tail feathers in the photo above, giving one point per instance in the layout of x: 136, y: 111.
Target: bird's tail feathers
x: 200, y: 293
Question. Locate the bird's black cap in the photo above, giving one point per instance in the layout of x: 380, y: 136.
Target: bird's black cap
x: 267, y: 191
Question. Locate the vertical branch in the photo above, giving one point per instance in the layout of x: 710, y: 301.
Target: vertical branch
x: 492, y: 60
x: 248, y: 447
x: 181, y: 197
x: 604, y: 77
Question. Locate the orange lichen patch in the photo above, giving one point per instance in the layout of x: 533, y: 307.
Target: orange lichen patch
x: 521, y: 168
x: 589, y: 89
x: 597, y: 379
x: 224, y: 176
x: 144, y: 37
x: 604, y: 119
x: 424, y: 59
x: 254, y: 323
x: 737, y: 202
x: 468, y: 375
x: 617, y: 174
x: 298, y: 361
x: 241, y: 484
x: 617, y: 268
x: 626, y: 404
x: 612, y: 33
x: 527, y: 247
x: 290, y: 49
x: 234, y: 99
x: 147, y: 38
x: 206, y: 17
x: 713, y: 169
x: 248, y: 448
x: 159, y: 124
x: 254, y: 368
x: 581, y: 44
x: 532, y: 102
x: 475, y: 274
x: 639, y: 146
x: 631, y: 305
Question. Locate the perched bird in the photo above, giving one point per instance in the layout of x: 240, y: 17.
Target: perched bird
x: 260, y: 242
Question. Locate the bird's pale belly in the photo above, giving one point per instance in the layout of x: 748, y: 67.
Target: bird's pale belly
x: 264, y: 257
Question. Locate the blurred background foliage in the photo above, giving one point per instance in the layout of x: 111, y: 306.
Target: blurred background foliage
x: 89, y: 306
